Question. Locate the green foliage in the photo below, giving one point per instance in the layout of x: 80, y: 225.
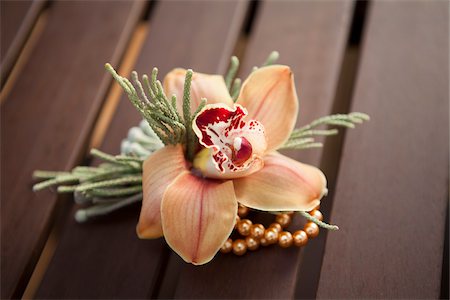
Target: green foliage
x: 160, y: 113
x: 234, y: 66
x: 236, y: 89
x: 105, y: 188
x: 271, y: 59
x: 151, y: 101
x: 303, y: 138
x: 306, y: 215
x: 234, y: 84
x: 191, y: 142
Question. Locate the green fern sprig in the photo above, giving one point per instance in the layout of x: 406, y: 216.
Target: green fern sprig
x: 303, y: 137
x: 151, y: 101
x: 113, y: 182
x: 87, y: 179
x: 160, y: 113
x: 191, y: 144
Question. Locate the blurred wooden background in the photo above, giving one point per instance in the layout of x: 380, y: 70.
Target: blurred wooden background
x: 388, y: 180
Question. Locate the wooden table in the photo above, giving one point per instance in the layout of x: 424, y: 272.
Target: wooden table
x: 388, y: 179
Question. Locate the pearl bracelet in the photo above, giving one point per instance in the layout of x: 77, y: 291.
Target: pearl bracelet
x: 255, y: 235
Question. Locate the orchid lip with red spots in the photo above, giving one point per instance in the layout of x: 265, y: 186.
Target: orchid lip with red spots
x: 235, y: 143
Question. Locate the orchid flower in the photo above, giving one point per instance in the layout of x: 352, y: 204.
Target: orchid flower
x: 194, y: 204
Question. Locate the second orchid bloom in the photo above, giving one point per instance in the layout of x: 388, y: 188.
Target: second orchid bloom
x: 194, y: 204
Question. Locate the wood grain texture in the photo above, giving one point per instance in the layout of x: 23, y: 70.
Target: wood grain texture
x: 47, y: 117
x: 311, y: 37
x: 16, y: 21
x: 105, y: 257
x: 392, y: 190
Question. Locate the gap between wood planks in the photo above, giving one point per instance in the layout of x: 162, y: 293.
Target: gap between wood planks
x: 445, y: 265
x: 23, y: 34
x: 125, y: 68
x: 311, y: 263
x: 24, y: 55
x: 110, y: 105
x: 115, y: 93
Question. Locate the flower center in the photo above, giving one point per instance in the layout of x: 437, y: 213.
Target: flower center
x: 235, y: 147
x: 241, y: 151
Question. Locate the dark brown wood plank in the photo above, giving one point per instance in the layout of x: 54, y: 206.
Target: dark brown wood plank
x: 47, y: 118
x: 392, y: 190
x: 17, y: 19
x: 311, y: 38
x: 105, y: 257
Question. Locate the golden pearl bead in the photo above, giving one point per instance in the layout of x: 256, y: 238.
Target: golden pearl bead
x: 242, y: 211
x: 264, y: 242
x: 252, y: 243
x: 276, y: 226
x: 237, y: 221
x: 244, y: 226
x: 257, y: 231
x: 227, y: 246
x: 300, y: 238
x: 239, y: 247
x: 311, y: 229
x: 285, y: 239
x: 271, y: 235
x: 283, y: 219
x: 316, y: 214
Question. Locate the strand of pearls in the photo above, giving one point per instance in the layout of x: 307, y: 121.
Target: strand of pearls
x: 256, y: 235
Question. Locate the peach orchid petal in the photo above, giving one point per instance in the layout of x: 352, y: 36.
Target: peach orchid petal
x: 283, y: 184
x: 198, y: 215
x: 211, y: 87
x: 159, y: 170
x: 269, y: 96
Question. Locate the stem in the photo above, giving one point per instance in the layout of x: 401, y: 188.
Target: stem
x: 82, y: 215
x: 109, y: 183
x: 317, y: 221
x: 115, y: 192
x: 234, y: 65
x: 190, y: 143
x: 39, y: 174
x: 271, y: 59
x: 236, y: 89
x: 55, y: 181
